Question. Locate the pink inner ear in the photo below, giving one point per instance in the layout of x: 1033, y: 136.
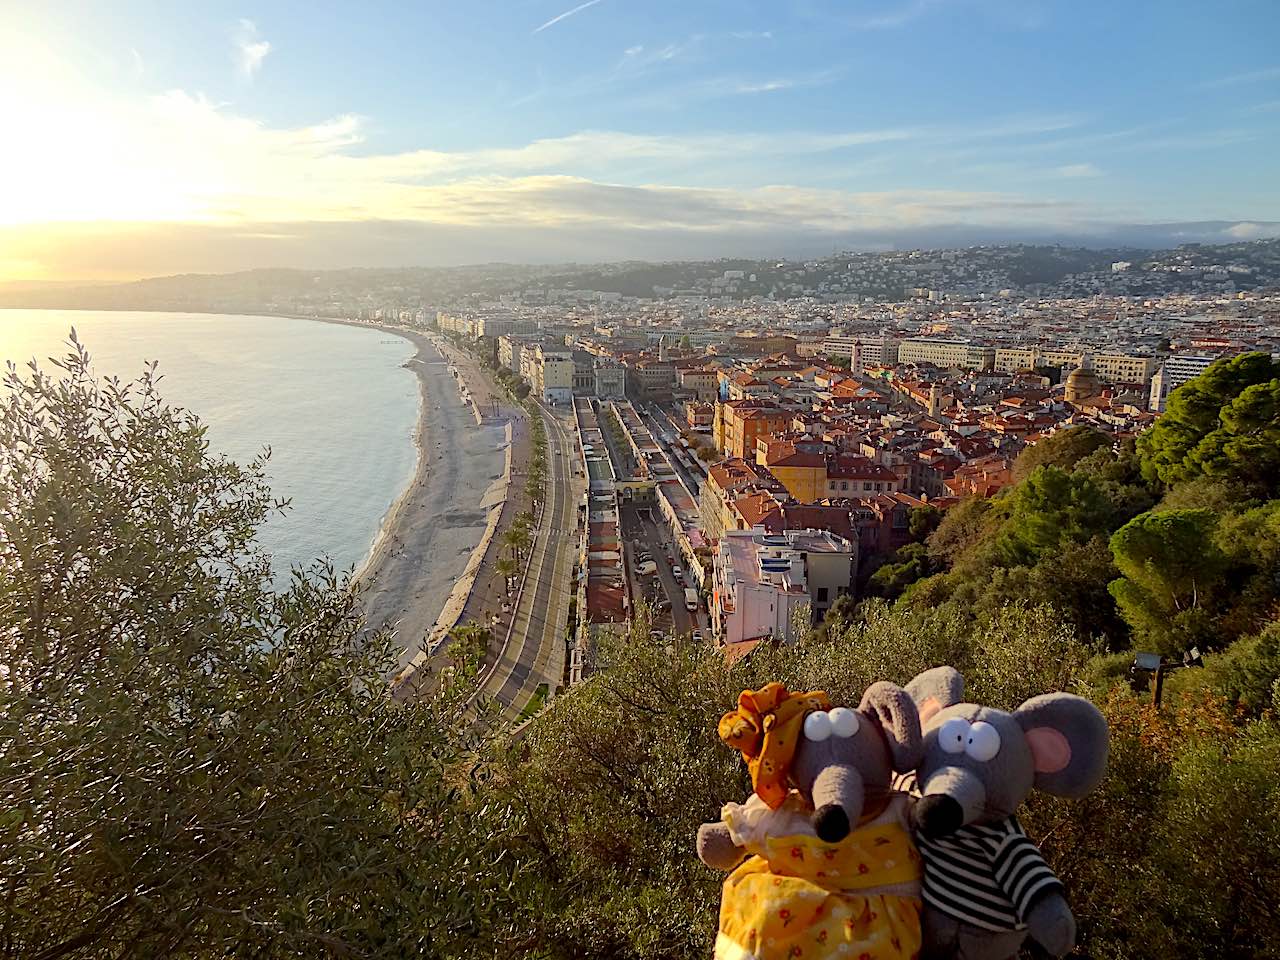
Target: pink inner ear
x: 1050, y: 749
x: 929, y: 708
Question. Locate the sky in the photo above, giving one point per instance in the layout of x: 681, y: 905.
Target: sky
x: 148, y: 138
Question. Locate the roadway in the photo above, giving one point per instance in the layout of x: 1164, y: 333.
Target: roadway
x: 640, y: 533
x: 536, y: 648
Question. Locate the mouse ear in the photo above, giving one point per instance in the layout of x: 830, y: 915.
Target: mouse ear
x: 1068, y: 739
x: 895, y: 712
x: 935, y: 690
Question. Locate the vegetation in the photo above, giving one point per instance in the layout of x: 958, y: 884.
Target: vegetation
x: 193, y: 765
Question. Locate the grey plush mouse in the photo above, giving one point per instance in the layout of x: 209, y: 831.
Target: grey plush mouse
x: 986, y: 886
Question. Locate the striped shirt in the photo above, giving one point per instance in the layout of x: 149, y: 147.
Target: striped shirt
x: 987, y: 875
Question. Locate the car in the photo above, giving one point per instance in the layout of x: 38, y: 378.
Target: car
x: 697, y: 636
x: 645, y: 556
x: 647, y: 568
x: 657, y: 635
x: 677, y: 572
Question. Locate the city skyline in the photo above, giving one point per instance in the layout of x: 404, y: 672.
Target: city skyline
x: 229, y: 137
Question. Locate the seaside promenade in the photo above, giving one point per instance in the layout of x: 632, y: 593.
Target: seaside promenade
x: 441, y: 517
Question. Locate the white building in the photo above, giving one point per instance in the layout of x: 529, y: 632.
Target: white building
x: 940, y: 352
x: 1177, y: 370
x: 760, y: 581
x: 876, y: 351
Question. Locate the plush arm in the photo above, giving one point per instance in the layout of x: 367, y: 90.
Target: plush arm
x: 716, y: 848
x: 1051, y: 924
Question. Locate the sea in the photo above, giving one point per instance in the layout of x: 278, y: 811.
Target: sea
x: 335, y: 405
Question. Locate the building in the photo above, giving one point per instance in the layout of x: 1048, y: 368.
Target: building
x: 1123, y: 368
x: 509, y: 349
x: 739, y: 423
x: 879, y: 351
x: 549, y: 372
x: 610, y: 379
x: 946, y: 353
x: 1173, y: 373
x: 702, y: 382
x: 762, y: 582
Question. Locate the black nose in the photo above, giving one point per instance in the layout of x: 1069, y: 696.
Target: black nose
x: 831, y: 823
x: 937, y: 815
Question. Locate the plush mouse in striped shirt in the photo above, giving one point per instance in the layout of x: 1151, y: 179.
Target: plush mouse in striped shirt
x: 986, y: 886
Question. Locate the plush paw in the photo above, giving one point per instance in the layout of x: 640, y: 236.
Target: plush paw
x: 716, y: 848
x: 1051, y: 925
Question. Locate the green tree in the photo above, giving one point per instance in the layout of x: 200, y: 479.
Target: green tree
x: 506, y: 567
x: 1063, y: 449
x: 1047, y: 510
x: 1169, y: 569
x: 1222, y: 424
x: 192, y: 764
x: 924, y: 520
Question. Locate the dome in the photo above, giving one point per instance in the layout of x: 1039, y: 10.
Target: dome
x: 1082, y: 384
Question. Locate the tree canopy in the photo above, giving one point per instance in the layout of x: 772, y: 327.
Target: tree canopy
x: 1223, y: 424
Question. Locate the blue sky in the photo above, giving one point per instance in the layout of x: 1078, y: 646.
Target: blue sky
x: 570, y: 127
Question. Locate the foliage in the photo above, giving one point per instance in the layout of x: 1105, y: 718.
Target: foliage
x: 191, y: 764
x: 1170, y: 568
x: 1223, y: 424
x: 1063, y: 449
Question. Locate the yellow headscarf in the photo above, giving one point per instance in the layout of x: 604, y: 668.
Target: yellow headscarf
x: 766, y: 727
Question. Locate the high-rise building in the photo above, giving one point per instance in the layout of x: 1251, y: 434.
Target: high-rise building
x: 1173, y: 373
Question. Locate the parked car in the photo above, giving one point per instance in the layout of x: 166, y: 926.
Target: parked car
x: 647, y: 568
x: 697, y: 636
x: 677, y: 572
x: 690, y: 599
x: 657, y: 635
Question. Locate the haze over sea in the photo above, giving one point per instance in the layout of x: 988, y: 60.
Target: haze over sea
x: 334, y: 403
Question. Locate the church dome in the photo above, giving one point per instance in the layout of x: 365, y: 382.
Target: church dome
x: 1082, y: 384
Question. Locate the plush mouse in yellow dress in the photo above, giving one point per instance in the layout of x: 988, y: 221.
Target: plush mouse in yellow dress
x: 830, y: 870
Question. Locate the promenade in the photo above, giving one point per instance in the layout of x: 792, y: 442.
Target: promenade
x: 441, y: 517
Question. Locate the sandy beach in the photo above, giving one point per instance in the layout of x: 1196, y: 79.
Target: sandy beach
x: 442, y: 515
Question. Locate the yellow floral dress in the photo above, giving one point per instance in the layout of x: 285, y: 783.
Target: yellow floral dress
x: 800, y: 898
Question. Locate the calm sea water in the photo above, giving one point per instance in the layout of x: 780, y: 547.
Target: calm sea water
x: 334, y: 404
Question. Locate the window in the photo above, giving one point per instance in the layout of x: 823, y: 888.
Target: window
x: 844, y: 484
x: 899, y: 519
x: 877, y: 486
x: 822, y: 594
x: 866, y: 484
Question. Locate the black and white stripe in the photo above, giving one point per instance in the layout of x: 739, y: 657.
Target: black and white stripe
x: 988, y: 875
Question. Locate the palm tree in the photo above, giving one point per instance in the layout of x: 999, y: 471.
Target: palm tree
x: 507, y: 567
x: 517, y: 539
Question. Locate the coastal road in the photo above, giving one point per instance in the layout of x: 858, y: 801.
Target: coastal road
x: 535, y: 653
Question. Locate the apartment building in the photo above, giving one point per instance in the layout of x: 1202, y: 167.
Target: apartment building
x: 1122, y: 368
x: 877, y: 351
x: 947, y: 353
x: 549, y: 372
x: 762, y: 581
x: 739, y: 423
x: 1173, y: 373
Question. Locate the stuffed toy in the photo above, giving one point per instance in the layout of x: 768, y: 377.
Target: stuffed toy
x: 830, y: 869
x: 986, y: 886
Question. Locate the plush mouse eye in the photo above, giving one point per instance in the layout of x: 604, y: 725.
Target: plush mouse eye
x: 844, y: 722
x: 983, y: 742
x: 953, y: 735
x: 817, y: 726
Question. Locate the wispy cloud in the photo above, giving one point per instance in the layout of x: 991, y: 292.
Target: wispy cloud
x: 1239, y: 79
x: 899, y: 16
x: 251, y: 49
x: 1076, y: 170
x: 567, y: 14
